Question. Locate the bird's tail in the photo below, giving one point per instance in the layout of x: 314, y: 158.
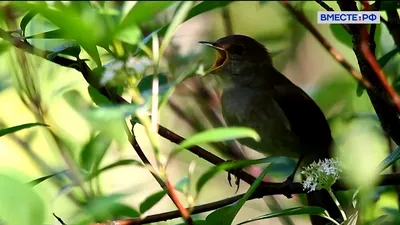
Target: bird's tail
x: 322, y: 198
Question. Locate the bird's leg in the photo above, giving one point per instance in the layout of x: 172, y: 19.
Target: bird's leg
x: 287, y: 184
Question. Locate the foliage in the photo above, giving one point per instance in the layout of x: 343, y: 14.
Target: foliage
x: 130, y: 68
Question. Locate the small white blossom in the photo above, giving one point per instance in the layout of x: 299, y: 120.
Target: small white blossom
x: 321, y: 175
x: 138, y: 64
x: 111, y: 69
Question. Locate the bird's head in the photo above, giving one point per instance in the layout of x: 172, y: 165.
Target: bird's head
x: 238, y: 55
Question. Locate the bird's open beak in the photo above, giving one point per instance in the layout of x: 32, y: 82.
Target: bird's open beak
x: 222, y: 56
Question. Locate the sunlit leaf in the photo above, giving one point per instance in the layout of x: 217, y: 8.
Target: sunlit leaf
x: 53, y: 34
x: 112, y: 112
x: 150, y: 201
x: 200, y: 8
x: 41, y: 179
x: 390, y: 159
x: 19, y: 127
x: 26, y: 19
x: 217, y: 135
x: 304, y: 210
x: 179, y: 17
x: 19, y: 203
x: 73, y: 26
x: 205, y: 177
x: 142, y: 11
x: 123, y: 162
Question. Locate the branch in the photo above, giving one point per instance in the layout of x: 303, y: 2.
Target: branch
x: 263, y: 190
x: 164, y: 185
x: 82, y: 67
x: 387, y: 113
x: 307, y: 24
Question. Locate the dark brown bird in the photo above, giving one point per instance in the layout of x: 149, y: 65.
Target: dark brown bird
x: 258, y: 96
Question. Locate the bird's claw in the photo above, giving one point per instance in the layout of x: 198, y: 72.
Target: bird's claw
x: 237, y: 181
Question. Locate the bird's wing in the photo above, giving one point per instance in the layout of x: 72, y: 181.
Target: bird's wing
x: 306, y: 119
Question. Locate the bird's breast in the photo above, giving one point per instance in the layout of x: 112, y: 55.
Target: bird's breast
x: 258, y: 110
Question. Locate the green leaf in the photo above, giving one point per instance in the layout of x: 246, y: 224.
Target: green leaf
x: 179, y: 17
x: 200, y: 8
x: 70, y: 48
x: 103, y: 208
x: 112, y: 112
x: 97, y: 97
x: 150, y: 201
x: 145, y: 85
x: 205, y: 177
x: 341, y: 35
x: 41, y: 179
x: 231, y: 214
x: 304, y: 210
x: 182, y: 185
x: 26, y: 19
x: 390, y: 159
x: 380, y: 220
x: 123, y: 162
x: 19, y: 127
x: 94, y: 151
x: 217, y: 135
x: 73, y: 26
x: 387, y: 57
x: 389, y: 5
x: 53, y: 34
x: 131, y: 35
x: 122, y: 210
x: 217, y: 217
x: 142, y: 11
x: 206, y: 6
x: 19, y: 203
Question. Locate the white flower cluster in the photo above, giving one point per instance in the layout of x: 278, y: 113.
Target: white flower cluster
x: 321, y: 175
x: 132, y: 65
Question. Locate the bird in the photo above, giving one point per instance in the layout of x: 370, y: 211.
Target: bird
x: 256, y: 95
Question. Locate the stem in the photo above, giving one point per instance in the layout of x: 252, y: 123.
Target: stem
x: 337, y: 204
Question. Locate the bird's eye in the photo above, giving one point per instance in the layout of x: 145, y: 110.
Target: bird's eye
x: 237, y: 49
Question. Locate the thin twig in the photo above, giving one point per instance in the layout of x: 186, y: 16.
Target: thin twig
x: 303, y: 20
x: 164, y: 185
x: 328, y: 8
